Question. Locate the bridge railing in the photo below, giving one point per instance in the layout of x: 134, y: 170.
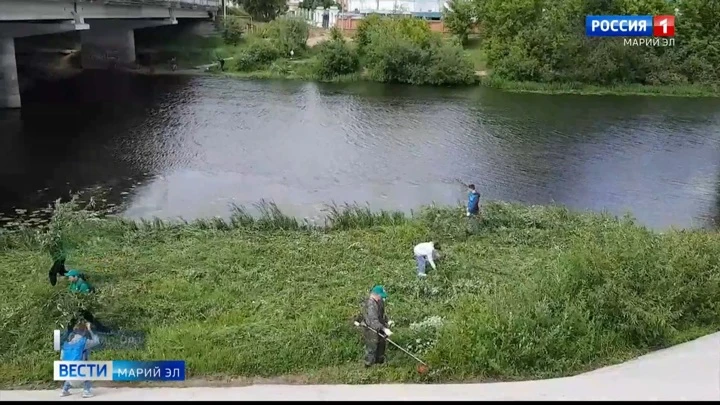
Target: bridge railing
x: 207, y: 4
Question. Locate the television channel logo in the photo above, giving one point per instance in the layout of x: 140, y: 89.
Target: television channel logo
x: 82, y: 371
x: 119, y: 370
x: 630, y: 26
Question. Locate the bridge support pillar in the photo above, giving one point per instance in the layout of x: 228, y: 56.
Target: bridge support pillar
x: 9, y: 86
x: 102, y: 49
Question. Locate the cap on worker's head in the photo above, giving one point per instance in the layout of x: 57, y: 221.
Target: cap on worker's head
x: 379, y: 290
x: 73, y: 273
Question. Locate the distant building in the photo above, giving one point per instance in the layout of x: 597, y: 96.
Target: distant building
x: 293, y: 7
x: 417, y: 6
x: 349, y: 21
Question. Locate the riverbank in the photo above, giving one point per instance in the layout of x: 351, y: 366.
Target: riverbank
x: 484, y: 77
x: 531, y: 292
x: 592, y: 90
x: 259, y: 60
x: 303, y: 69
x: 487, y: 80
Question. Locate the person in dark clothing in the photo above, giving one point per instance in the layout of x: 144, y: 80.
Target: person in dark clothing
x: 221, y: 62
x: 57, y: 269
x: 473, y: 205
x: 88, y: 316
x: 373, y: 315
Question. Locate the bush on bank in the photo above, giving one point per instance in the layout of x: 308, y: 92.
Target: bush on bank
x: 401, y: 50
x: 233, y: 29
x: 271, y: 42
x: 405, y: 50
x: 336, y: 58
x: 531, y: 292
x: 287, y: 34
x: 544, y: 41
x: 256, y: 55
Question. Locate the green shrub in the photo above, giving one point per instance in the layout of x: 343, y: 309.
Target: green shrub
x: 367, y: 26
x: 380, y: 29
x: 449, y: 64
x: 281, y: 67
x: 233, y: 29
x: 336, y: 58
x: 400, y: 59
x: 396, y: 60
x: 336, y: 34
x: 257, y: 55
x: 405, y: 50
x: 288, y: 34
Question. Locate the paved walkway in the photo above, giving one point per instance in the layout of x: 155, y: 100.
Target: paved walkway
x: 690, y: 371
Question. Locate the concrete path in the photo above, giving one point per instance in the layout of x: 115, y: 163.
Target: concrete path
x: 690, y: 371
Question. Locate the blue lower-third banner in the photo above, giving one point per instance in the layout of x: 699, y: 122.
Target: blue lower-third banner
x: 119, y: 370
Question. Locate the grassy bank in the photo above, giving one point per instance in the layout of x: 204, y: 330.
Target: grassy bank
x: 293, y: 75
x: 531, y: 292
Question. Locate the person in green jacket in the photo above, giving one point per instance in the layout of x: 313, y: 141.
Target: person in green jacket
x: 77, y: 282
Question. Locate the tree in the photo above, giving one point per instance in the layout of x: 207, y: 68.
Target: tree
x: 264, y: 10
x: 459, y: 17
x: 233, y: 29
x: 313, y: 4
x: 336, y: 58
x: 545, y: 41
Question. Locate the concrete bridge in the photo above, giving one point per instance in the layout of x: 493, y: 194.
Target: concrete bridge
x: 106, y: 29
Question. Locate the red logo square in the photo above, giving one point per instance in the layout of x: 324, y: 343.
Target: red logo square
x: 664, y: 26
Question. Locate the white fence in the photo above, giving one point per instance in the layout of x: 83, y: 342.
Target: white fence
x: 319, y: 17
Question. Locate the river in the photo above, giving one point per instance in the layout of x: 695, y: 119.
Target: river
x: 170, y: 146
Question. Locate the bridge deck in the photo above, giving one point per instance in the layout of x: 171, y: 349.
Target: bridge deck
x: 36, y: 10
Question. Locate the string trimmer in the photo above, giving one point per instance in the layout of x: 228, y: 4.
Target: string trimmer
x: 462, y: 182
x: 422, y: 368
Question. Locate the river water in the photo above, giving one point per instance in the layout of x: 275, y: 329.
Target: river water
x: 189, y: 146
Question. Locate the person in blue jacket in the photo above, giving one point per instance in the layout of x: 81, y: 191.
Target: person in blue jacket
x: 77, y: 347
x: 473, y: 204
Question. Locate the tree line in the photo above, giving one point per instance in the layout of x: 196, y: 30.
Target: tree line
x: 545, y: 41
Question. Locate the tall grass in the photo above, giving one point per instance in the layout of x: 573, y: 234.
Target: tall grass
x: 528, y: 292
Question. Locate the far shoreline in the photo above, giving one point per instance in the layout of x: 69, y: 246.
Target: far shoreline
x: 487, y: 81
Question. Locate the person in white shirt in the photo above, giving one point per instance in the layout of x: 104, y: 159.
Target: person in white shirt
x: 426, y: 252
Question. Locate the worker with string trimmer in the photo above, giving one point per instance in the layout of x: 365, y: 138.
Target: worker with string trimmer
x: 376, y: 330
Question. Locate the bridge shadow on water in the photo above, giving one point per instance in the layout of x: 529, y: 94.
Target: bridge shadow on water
x: 64, y: 122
